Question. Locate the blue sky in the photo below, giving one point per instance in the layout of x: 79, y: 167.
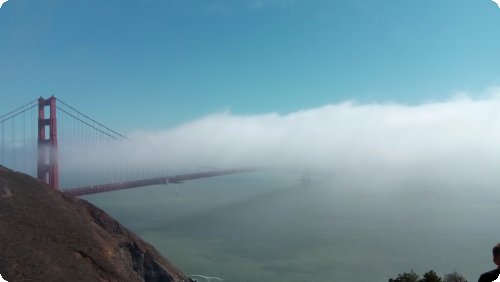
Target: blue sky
x: 158, y: 63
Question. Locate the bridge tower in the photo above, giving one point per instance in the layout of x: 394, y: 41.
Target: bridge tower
x: 47, y: 168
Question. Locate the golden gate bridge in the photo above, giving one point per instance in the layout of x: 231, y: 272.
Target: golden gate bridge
x: 48, y: 131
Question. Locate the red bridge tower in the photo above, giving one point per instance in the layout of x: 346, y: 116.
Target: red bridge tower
x: 47, y: 169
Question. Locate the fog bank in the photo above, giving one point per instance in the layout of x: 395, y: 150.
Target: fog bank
x: 451, y: 142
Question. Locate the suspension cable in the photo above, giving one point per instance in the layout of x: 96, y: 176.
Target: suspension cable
x: 13, y: 111
x: 98, y: 123
x: 88, y: 124
x: 16, y: 114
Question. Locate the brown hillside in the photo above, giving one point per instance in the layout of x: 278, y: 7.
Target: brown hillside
x: 46, y: 236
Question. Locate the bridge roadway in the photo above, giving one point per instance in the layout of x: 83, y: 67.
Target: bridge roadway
x: 87, y: 190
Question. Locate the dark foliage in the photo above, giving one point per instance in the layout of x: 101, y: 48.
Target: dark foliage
x: 406, y: 277
x: 454, y: 277
x: 430, y: 276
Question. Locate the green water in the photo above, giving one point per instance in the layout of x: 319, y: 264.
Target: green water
x: 259, y: 228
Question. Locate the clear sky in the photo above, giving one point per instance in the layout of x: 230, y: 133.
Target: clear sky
x: 157, y: 63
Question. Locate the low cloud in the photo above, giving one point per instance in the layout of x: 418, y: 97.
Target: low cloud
x: 2, y: 2
x: 453, y: 142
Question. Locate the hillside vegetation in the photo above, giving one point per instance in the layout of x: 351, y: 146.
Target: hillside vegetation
x: 46, y: 236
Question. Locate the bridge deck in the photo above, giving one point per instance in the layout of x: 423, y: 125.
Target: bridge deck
x: 87, y: 190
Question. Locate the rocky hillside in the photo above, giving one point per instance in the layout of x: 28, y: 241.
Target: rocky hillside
x: 46, y: 236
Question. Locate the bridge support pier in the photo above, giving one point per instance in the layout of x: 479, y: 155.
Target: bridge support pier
x: 47, y: 168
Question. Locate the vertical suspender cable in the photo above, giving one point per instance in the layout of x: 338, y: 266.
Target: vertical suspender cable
x: 3, y: 143
x: 24, y: 143
x: 61, y: 145
x: 32, y: 145
x: 13, y: 144
x: 80, y: 143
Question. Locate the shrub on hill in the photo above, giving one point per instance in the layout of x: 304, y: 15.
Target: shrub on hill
x: 430, y: 276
